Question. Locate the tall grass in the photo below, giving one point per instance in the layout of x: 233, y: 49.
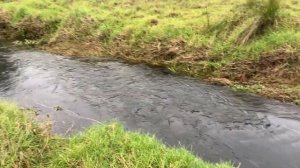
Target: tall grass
x: 266, y: 12
x: 267, y: 9
x: 271, y: 10
x: 22, y: 142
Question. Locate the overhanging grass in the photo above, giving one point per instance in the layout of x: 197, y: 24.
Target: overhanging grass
x: 112, y: 146
x: 24, y: 144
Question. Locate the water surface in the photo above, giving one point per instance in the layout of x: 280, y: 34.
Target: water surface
x: 213, y: 122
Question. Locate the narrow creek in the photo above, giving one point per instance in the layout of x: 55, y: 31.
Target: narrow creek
x: 211, y: 121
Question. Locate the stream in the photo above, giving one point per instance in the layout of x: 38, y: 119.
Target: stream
x: 212, y: 121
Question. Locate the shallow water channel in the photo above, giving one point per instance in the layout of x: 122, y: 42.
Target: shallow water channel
x: 213, y: 122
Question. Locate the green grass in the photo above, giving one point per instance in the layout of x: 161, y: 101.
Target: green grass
x: 176, y: 19
x: 25, y: 144
x: 247, y: 89
x: 109, y: 20
x: 297, y: 102
x: 22, y: 142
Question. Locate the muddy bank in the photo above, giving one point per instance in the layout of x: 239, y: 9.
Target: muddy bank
x: 212, y: 121
x: 276, y: 74
x: 5, y: 26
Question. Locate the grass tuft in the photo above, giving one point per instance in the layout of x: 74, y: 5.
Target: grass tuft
x: 25, y: 144
x: 268, y: 12
x: 119, y: 148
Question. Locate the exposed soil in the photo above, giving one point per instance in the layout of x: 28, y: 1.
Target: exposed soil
x: 5, y: 27
x: 277, y: 71
x: 31, y: 29
x: 90, y: 48
x: 280, y: 66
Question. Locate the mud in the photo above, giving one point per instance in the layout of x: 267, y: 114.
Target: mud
x: 5, y: 27
x: 212, y: 121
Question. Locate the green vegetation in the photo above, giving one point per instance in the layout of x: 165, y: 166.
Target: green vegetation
x: 23, y: 143
x: 268, y: 13
x: 249, y: 42
x: 247, y: 89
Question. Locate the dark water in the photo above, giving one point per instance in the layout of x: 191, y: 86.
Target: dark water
x: 212, y: 121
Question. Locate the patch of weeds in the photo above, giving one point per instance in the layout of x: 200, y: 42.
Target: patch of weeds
x: 247, y: 89
x: 23, y: 142
x: 297, y: 102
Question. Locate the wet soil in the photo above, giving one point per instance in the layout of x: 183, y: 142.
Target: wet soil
x: 212, y: 121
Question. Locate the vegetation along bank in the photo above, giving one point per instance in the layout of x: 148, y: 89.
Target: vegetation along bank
x: 250, y: 45
x: 25, y: 144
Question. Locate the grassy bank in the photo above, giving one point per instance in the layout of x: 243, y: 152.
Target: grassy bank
x: 251, y: 45
x: 25, y: 144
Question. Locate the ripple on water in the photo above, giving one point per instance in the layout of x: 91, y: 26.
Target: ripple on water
x: 212, y: 121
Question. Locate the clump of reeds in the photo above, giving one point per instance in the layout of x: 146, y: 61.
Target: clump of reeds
x: 267, y: 12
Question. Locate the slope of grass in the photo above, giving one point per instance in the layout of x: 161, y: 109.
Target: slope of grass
x: 201, y: 38
x: 25, y: 144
